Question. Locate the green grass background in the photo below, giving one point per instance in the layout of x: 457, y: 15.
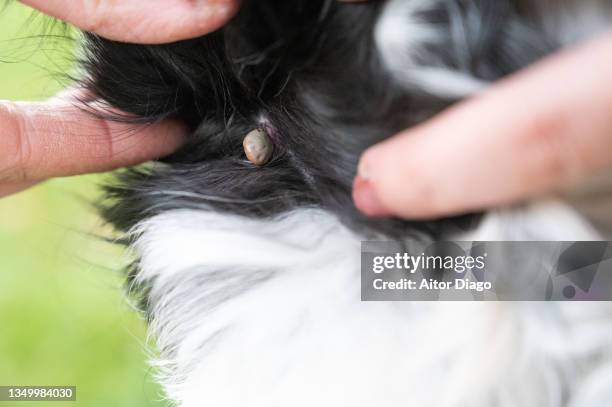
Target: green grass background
x: 63, y: 316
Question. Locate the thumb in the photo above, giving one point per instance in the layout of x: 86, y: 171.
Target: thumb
x: 142, y: 21
x: 542, y: 129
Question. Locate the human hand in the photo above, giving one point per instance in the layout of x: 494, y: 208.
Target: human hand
x: 57, y: 138
x: 60, y: 138
x: 540, y: 130
x: 141, y: 21
x: 43, y: 140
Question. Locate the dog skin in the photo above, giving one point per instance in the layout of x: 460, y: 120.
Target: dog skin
x: 249, y: 274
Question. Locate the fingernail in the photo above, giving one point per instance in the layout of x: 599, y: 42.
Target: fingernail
x: 224, y: 10
x: 216, y: 13
x: 362, y: 170
x: 365, y: 198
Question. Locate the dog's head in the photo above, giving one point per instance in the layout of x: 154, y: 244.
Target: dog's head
x: 315, y: 76
x: 320, y: 81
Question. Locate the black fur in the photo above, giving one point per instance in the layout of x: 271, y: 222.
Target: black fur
x: 310, y: 67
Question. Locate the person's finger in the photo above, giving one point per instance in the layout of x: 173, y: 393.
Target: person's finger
x: 142, y: 21
x: 541, y: 129
x: 13, y: 188
x: 43, y: 140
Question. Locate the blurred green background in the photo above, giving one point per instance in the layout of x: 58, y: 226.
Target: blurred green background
x: 63, y: 316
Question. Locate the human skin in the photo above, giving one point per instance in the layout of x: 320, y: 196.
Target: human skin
x: 141, y: 21
x: 541, y: 130
x: 57, y: 138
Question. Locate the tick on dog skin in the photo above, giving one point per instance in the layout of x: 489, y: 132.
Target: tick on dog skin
x: 258, y: 147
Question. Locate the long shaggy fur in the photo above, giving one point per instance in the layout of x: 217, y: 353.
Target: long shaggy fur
x: 250, y: 275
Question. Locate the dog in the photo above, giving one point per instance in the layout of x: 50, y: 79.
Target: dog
x: 248, y: 270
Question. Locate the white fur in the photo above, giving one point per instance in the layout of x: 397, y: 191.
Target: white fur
x: 544, y: 220
x: 295, y: 333
x: 267, y: 313
x: 402, y: 37
x: 572, y: 21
